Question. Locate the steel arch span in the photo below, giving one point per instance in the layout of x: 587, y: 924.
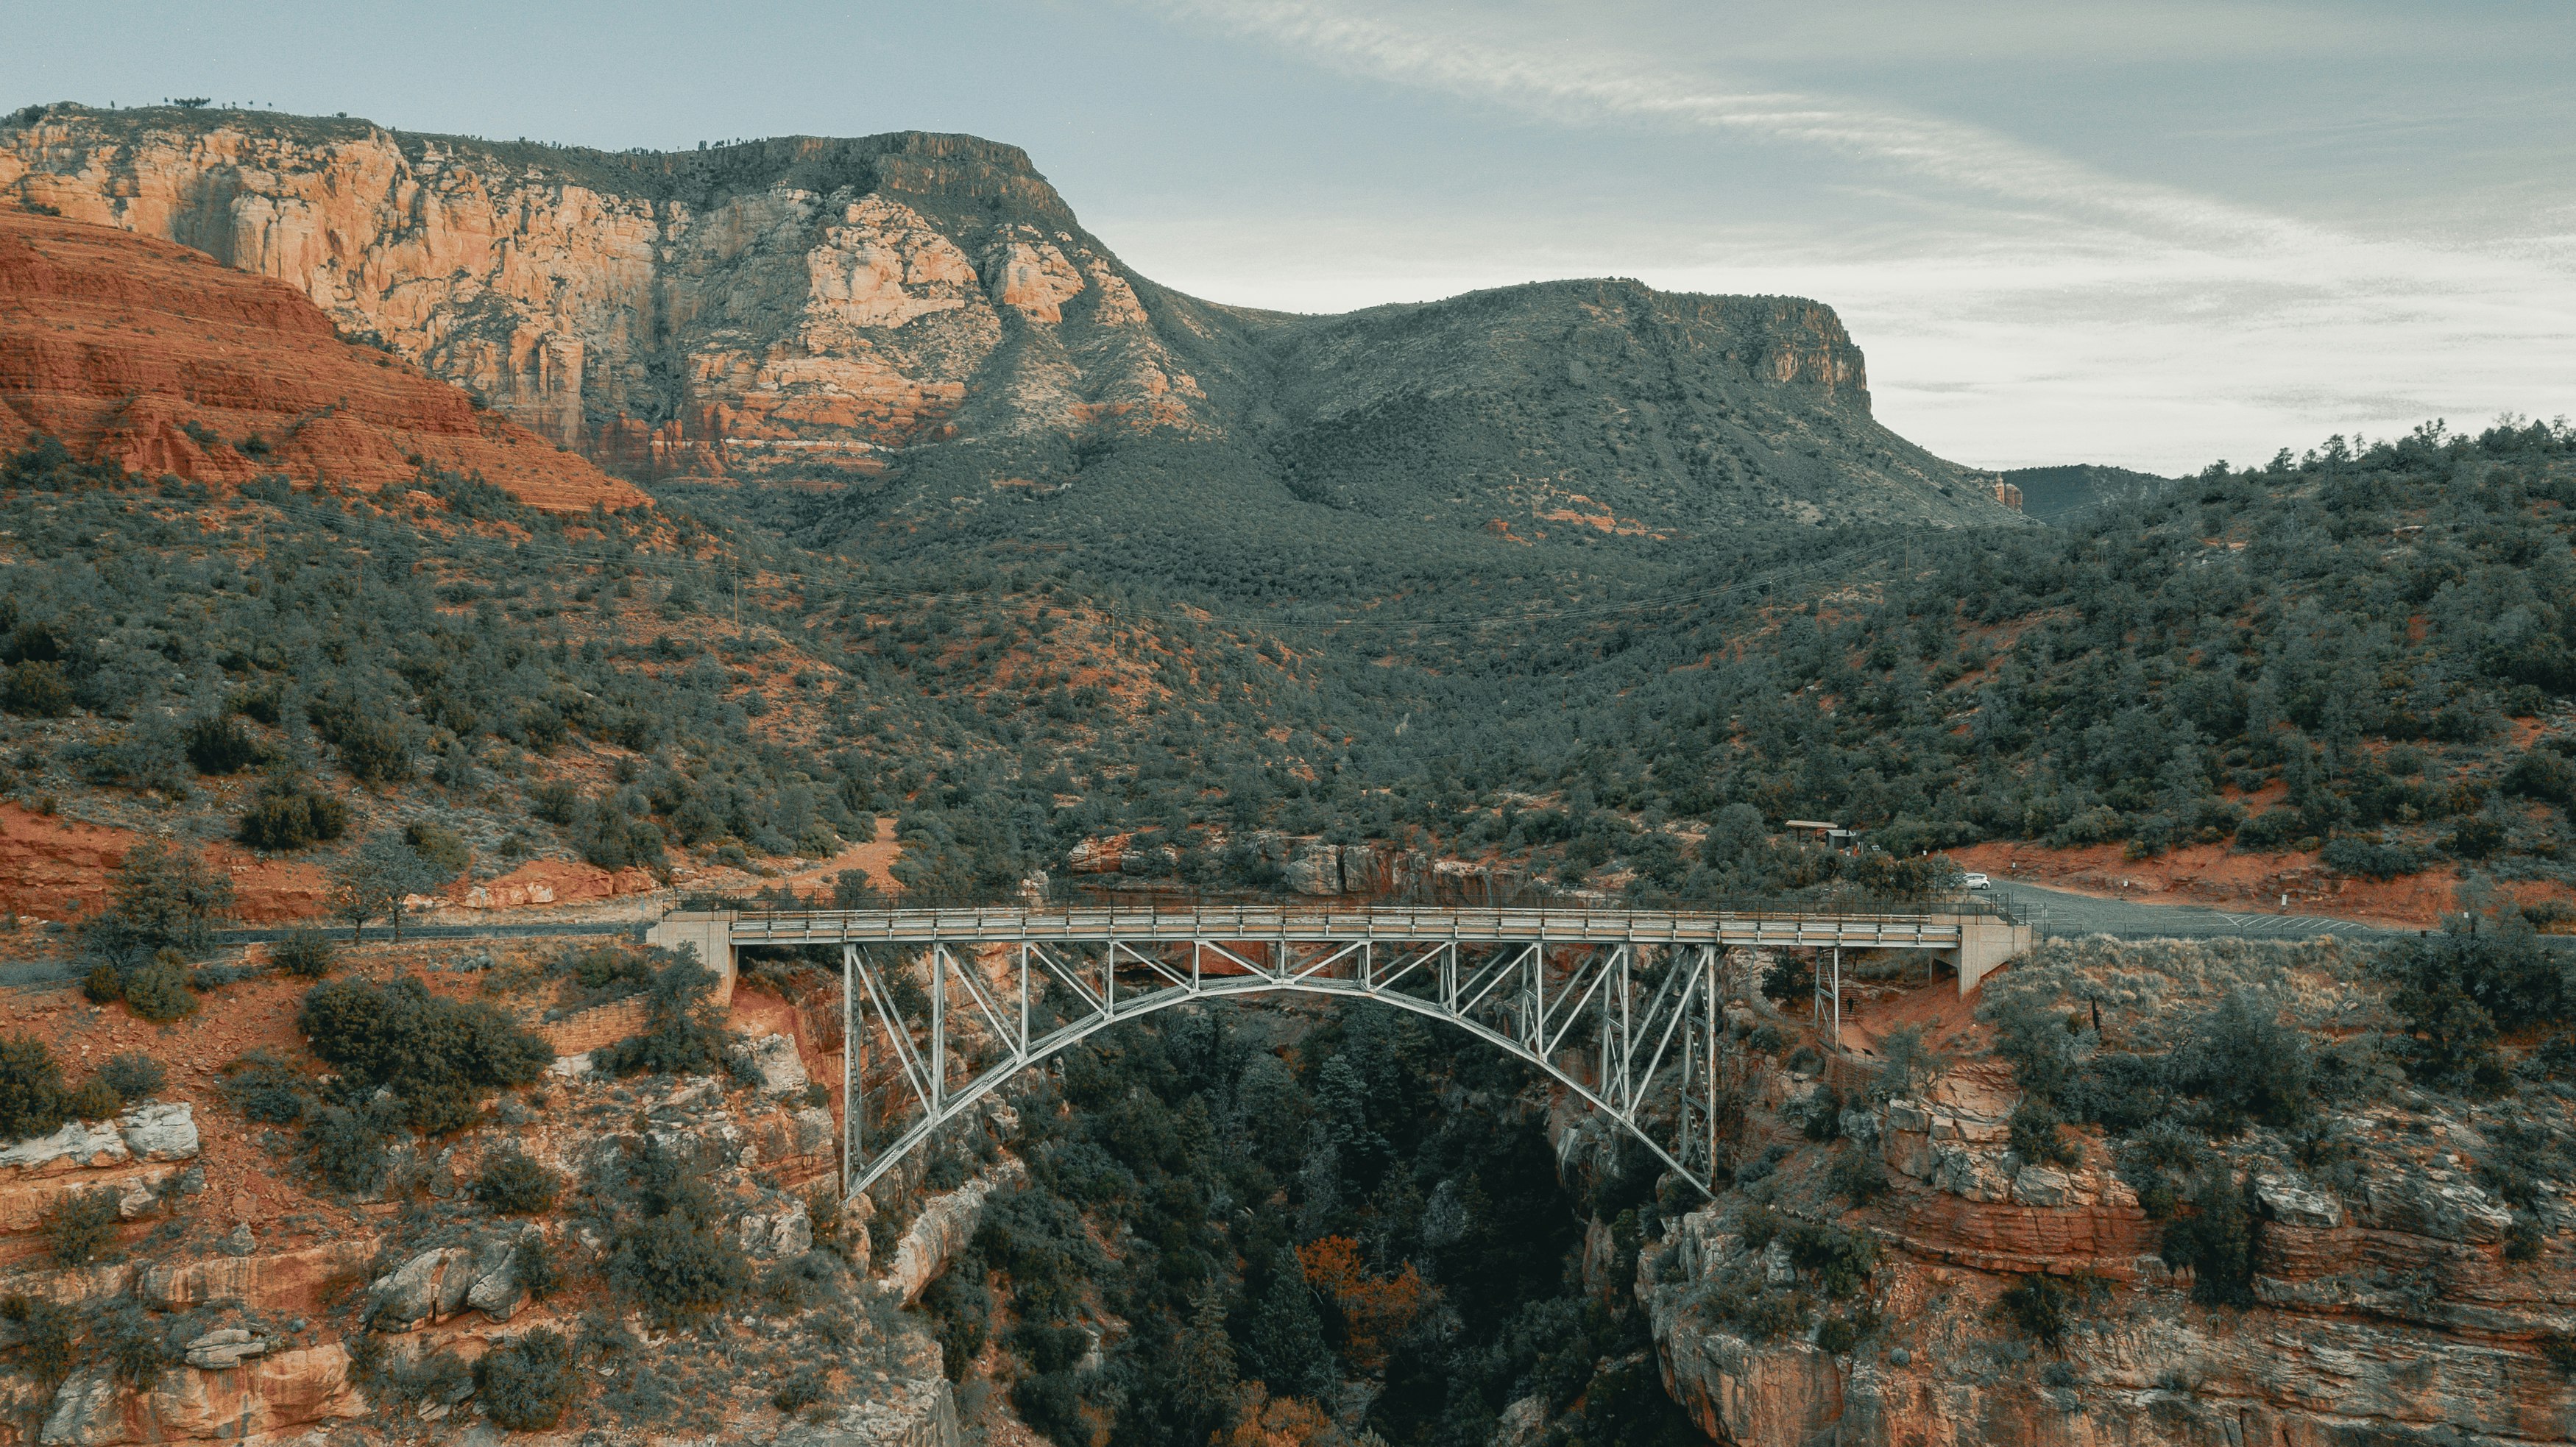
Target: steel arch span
x: 1631, y: 1027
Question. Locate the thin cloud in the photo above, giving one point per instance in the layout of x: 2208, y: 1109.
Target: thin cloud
x: 1575, y: 85
x: 2050, y: 303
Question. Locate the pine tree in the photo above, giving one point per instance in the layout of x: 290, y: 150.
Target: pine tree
x: 1287, y: 1339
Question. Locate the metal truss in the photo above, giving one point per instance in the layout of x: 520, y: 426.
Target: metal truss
x: 1632, y: 1028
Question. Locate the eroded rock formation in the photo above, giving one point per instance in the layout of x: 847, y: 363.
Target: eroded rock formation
x: 922, y: 316
x: 141, y: 353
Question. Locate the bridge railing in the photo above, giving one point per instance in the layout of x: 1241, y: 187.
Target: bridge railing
x: 1262, y: 921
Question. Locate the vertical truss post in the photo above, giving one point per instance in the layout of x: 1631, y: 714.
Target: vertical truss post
x: 1838, y: 998
x: 937, y: 956
x: 1716, y: 1015
x: 851, y: 1044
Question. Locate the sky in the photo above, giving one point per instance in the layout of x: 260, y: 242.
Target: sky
x: 2151, y: 235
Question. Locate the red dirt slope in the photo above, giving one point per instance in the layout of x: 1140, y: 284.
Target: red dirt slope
x: 118, y: 343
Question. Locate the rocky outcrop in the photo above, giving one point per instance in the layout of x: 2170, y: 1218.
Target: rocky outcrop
x: 245, y: 1397
x: 2386, y: 1309
x: 153, y: 1132
x: 926, y: 309
x: 138, y: 352
x: 797, y: 309
x: 946, y: 1224
x: 773, y: 1058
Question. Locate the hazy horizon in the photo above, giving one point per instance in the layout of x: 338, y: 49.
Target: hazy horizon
x: 2060, y: 234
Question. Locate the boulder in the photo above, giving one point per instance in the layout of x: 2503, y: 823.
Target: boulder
x: 1521, y: 1423
x: 497, y: 1292
x: 1977, y: 1175
x: 776, y: 1235
x: 571, y: 1067
x: 78, y: 1145
x: 428, y: 1286
x: 160, y: 1132
x: 813, y: 1130
x: 2040, y: 1186
x: 224, y: 1348
x: 780, y: 1069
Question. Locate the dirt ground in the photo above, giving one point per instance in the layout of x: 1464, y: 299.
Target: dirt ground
x: 2219, y: 877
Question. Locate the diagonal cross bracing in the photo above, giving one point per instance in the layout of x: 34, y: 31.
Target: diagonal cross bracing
x: 1623, y: 1009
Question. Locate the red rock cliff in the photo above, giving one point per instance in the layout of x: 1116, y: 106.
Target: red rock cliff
x: 151, y: 356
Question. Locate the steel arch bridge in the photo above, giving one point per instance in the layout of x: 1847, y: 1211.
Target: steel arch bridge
x: 1623, y: 1009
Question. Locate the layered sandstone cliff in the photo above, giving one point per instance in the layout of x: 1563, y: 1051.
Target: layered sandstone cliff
x: 922, y: 314
x: 147, y: 355
x: 799, y: 309
x: 2389, y: 1303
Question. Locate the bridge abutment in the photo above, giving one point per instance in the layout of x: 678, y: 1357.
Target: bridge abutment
x: 710, y: 933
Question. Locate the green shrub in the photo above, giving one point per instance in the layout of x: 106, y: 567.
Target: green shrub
x: 441, y: 1107
x: 514, y: 1184
x: 1824, y: 1112
x: 93, y: 1099
x: 532, y: 1263
x: 375, y: 746
x: 2271, y: 831
x: 1857, y: 1173
x: 2559, y: 1348
x: 2038, y: 1305
x: 133, y: 1075
x: 220, y: 745
x: 1842, y: 1260
x: 41, y: 1338
x: 526, y: 1383
x: 163, y: 896
x: 2373, y: 859
x: 2244, y: 1063
x: 2216, y: 1238
x: 79, y: 1226
x: 1051, y: 1403
x: 2459, y: 990
x: 2038, y: 1136
x: 265, y: 1088
x: 676, y: 1270
x: 31, y: 1088
x: 684, y: 1034
x: 402, y: 1036
x: 440, y: 845
x: 2159, y: 1163
x: 291, y: 814
x: 804, y: 1387
x: 132, y: 1342
x: 36, y: 690
x: 307, y: 954
x: 158, y: 989
x: 346, y: 1148
x: 103, y: 985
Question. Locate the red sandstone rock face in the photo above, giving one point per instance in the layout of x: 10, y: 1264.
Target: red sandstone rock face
x: 152, y: 356
x: 808, y: 333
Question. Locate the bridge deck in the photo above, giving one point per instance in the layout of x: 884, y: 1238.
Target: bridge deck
x: 1942, y: 930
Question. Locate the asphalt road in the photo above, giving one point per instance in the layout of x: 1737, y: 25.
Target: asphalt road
x: 2058, y: 912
